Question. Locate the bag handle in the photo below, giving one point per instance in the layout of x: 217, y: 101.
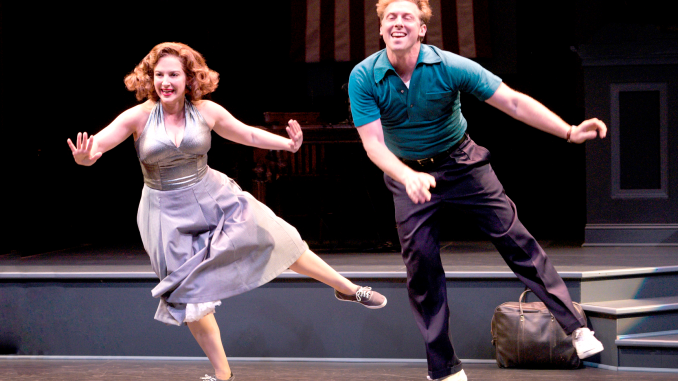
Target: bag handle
x: 520, y: 304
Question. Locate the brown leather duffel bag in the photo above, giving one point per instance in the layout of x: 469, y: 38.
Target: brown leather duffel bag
x: 526, y: 335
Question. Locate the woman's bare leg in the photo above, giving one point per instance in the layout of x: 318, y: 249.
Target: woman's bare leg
x: 206, y: 333
x: 312, y: 266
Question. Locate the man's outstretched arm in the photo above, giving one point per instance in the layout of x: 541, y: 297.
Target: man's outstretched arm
x: 535, y: 114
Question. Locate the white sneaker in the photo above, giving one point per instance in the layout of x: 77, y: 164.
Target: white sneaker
x: 585, y: 343
x: 459, y: 376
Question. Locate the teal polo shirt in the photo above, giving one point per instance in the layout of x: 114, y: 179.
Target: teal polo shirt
x: 425, y: 119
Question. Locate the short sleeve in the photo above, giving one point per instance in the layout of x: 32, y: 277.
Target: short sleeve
x: 471, y: 77
x: 361, y: 94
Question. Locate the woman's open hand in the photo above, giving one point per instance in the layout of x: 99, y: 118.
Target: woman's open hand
x: 296, y: 136
x: 82, y: 150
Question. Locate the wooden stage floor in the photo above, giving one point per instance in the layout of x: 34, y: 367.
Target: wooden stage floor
x: 159, y: 370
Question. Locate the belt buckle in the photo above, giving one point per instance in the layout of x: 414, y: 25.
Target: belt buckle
x: 425, y: 162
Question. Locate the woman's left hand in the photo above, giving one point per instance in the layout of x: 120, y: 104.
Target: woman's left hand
x: 296, y: 136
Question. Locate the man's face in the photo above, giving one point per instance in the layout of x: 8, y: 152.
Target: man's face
x: 401, y: 27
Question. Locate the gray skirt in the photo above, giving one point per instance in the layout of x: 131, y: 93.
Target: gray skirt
x: 211, y: 241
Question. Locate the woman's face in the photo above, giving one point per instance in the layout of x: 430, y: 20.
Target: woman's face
x: 169, y: 79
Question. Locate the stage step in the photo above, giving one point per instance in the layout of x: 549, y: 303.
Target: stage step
x: 633, y: 316
x: 656, y: 350
x: 635, y: 283
x: 666, y: 339
x: 633, y: 306
x: 636, y: 333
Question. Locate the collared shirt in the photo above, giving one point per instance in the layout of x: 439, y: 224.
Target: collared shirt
x: 425, y: 119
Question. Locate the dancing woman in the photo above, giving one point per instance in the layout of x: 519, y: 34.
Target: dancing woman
x: 207, y: 239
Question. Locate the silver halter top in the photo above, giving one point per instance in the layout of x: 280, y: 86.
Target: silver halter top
x: 166, y: 166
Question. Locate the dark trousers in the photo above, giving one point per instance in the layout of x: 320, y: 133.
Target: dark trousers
x: 466, y: 180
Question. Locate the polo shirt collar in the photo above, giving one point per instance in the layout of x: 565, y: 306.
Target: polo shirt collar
x: 426, y: 55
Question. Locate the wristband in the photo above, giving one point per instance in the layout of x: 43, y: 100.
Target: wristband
x: 569, y: 132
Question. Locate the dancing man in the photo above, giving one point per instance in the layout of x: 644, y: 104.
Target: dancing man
x: 405, y: 105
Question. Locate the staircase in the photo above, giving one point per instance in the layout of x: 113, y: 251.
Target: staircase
x: 635, y: 316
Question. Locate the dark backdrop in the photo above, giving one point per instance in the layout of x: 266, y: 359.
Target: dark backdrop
x: 62, y: 67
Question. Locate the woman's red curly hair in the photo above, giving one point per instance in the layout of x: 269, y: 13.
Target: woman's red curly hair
x: 200, y: 80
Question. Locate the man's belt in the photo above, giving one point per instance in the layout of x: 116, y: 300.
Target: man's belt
x: 429, y: 162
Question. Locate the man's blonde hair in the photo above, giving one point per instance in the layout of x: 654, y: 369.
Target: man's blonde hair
x: 424, y: 8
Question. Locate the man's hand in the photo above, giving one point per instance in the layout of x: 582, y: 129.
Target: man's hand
x: 587, y: 130
x: 417, y: 185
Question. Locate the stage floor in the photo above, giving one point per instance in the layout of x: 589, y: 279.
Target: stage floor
x: 133, y: 370
x: 459, y: 259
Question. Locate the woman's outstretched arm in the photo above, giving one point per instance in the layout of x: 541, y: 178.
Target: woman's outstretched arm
x: 228, y: 127
x: 88, y: 149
